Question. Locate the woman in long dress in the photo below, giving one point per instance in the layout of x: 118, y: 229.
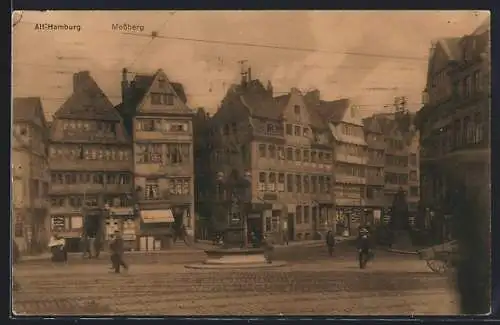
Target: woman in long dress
x: 57, y: 246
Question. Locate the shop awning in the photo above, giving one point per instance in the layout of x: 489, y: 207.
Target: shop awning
x: 157, y: 216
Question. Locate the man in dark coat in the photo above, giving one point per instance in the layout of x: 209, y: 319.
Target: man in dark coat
x: 330, y: 241
x: 117, y: 250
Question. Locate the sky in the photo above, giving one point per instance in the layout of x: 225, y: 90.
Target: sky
x: 370, y: 56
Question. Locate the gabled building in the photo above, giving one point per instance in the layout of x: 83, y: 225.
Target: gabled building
x: 375, y: 180
x: 346, y: 127
x: 156, y: 115
x: 90, y: 161
x: 454, y: 121
x: 30, y: 176
x: 284, y: 145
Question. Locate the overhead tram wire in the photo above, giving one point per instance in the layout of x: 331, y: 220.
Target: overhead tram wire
x: 153, y: 36
x: 279, y: 47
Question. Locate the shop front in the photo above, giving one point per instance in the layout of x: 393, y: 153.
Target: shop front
x: 69, y: 227
x: 122, y: 220
x: 156, y: 229
x: 348, y: 220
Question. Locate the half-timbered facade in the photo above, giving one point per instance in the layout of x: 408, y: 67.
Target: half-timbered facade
x: 90, y: 161
x: 160, y: 122
x: 346, y: 127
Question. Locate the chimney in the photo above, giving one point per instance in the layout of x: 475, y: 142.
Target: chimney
x: 125, y: 85
x: 269, y: 88
x: 80, y: 79
x: 249, y: 75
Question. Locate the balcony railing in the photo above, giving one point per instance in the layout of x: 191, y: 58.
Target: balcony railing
x: 346, y: 179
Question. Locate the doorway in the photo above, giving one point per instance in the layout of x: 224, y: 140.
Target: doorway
x: 291, y: 227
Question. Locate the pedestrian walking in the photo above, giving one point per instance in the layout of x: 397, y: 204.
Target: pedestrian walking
x: 268, y: 245
x: 330, y: 242
x: 285, y: 237
x: 117, y: 250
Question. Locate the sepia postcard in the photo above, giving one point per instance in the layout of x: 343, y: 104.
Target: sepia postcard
x: 250, y: 163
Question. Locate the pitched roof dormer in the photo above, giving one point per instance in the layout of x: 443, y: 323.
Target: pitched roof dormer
x: 159, y: 94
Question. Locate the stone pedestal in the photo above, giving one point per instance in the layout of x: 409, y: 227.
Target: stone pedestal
x: 235, y: 258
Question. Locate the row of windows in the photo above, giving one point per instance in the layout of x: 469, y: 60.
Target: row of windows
x: 89, y: 126
x: 468, y: 131
x: 375, y: 154
x: 161, y: 125
x: 278, y: 182
x: 349, y: 191
x: 176, y: 186
x: 297, y: 130
x: 351, y: 150
x: 374, y: 171
x: 90, y: 178
x: 350, y: 170
x: 396, y: 161
x: 79, y: 152
x: 158, y: 153
x: 468, y: 86
x: 396, y: 179
x: 162, y: 99
x: 395, y: 144
x: 272, y: 152
x: 352, y: 130
x: 78, y: 201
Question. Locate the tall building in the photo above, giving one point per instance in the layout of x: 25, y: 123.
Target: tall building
x: 401, y: 169
x: 284, y: 146
x: 157, y: 116
x: 349, y: 145
x: 375, y: 179
x: 90, y: 161
x: 30, y: 176
x: 454, y: 122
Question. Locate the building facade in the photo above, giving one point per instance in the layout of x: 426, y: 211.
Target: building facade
x: 90, y: 161
x: 30, y: 176
x: 375, y: 176
x: 349, y: 146
x: 285, y: 147
x: 157, y: 116
x: 454, y: 123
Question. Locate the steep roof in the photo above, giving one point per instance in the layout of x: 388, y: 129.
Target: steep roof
x: 28, y: 109
x: 332, y: 111
x: 88, y: 102
x: 142, y: 83
x: 484, y: 27
x: 258, y: 100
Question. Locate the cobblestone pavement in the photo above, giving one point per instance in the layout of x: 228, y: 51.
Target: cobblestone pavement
x: 310, y: 285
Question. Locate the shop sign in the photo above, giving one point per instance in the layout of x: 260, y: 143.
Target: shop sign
x: 58, y: 223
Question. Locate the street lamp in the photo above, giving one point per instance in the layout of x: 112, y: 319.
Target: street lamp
x: 233, y: 192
